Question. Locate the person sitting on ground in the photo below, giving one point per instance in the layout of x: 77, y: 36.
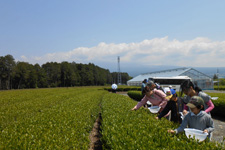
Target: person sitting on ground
x: 174, y: 105
x: 154, y: 96
x: 197, y: 118
x: 188, y: 88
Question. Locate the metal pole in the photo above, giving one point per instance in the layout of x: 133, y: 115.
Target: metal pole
x: 119, y: 74
x: 218, y: 78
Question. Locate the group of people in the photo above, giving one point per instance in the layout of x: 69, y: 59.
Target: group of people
x: 192, y: 110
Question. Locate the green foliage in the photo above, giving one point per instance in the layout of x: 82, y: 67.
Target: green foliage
x: 48, y: 118
x: 7, y: 65
x: 124, y: 77
x: 219, y: 104
x: 122, y: 88
x: 21, y: 75
x: 136, y: 95
x: 126, y: 129
x: 62, y: 118
x: 221, y: 88
x: 221, y: 82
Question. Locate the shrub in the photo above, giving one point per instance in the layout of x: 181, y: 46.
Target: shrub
x: 124, y: 88
x: 59, y: 118
x: 126, y: 129
x: 219, y: 104
x: 136, y: 95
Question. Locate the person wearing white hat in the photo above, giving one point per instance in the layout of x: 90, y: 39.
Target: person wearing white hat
x: 114, y: 87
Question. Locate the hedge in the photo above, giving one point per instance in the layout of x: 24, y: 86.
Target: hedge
x: 217, y: 111
x: 126, y: 129
x: 219, y: 104
x: 124, y: 89
x: 136, y: 95
x: 59, y: 118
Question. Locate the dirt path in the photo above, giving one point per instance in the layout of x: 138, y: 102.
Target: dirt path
x: 95, y: 135
x: 219, y: 132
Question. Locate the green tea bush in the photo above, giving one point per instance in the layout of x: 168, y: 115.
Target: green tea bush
x: 124, y: 88
x: 126, y: 129
x: 136, y: 95
x: 221, y: 87
x: 48, y: 118
x: 219, y: 104
x: 217, y: 111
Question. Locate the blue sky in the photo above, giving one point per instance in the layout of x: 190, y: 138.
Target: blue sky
x: 143, y: 33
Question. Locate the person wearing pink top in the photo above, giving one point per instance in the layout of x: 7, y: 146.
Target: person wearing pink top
x: 188, y: 88
x: 154, y: 96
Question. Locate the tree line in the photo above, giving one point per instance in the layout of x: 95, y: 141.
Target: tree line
x: 20, y: 75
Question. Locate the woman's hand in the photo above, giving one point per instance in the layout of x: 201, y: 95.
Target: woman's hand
x: 205, y: 131
x: 157, y: 118
x: 171, y: 131
x: 151, y: 92
x: 185, y: 112
x: 133, y: 109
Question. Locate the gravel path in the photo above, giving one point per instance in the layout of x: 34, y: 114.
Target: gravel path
x: 219, y: 132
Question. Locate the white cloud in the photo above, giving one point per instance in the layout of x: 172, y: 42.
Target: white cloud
x: 199, y: 52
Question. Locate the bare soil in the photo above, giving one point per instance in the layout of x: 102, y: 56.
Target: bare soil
x: 95, y: 135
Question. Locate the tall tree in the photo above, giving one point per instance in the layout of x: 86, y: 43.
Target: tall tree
x: 76, y: 79
x: 25, y: 76
x: 7, y: 65
x: 53, y: 73
x: 41, y: 76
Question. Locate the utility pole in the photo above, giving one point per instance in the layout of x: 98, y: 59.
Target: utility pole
x: 119, y: 74
x: 218, y: 78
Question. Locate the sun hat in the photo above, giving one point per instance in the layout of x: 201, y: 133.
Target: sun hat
x: 195, y: 102
x: 167, y: 91
x: 114, y: 86
x: 172, y: 92
x: 150, y: 83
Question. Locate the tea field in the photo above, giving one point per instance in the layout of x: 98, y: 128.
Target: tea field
x: 62, y: 118
x: 48, y: 118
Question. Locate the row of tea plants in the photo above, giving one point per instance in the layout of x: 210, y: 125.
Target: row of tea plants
x: 62, y: 118
x: 126, y: 129
x: 219, y: 104
x: 48, y: 118
x: 217, y: 111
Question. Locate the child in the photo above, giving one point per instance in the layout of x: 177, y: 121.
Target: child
x: 188, y: 88
x: 154, y: 96
x: 174, y: 105
x: 143, y: 86
x: 197, y: 118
